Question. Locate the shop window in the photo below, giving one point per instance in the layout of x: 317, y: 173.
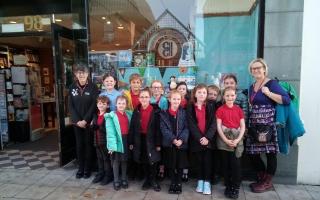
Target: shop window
x: 197, y: 41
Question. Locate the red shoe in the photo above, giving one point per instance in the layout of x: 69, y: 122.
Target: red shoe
x: 260, y: 178
x: 265, y: 185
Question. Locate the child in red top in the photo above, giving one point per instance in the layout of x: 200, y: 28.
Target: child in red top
x: 104, y: 174
x: 117, y: 125
x: 146, y: 138
x: 231, y: 127
x: 202, y: 127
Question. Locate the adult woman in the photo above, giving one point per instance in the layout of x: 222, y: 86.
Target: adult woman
x: 264, y: 94
x: 82, y: 104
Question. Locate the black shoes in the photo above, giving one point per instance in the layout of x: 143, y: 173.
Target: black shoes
x: 156, y: 187
x: 79, y: 174
x: 98, y: 178
x: 124, y: 184
x: 231, y: 192
x: 116, y: 185
x: 146, y: 185
x: 175, y: 189
x: 106, y: 180
x: 86, y: 174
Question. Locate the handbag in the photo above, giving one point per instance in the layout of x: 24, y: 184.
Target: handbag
x: 261, y: 133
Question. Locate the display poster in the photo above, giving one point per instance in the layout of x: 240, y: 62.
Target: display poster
x: 19, y: 74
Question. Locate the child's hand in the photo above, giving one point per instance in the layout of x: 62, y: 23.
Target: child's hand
x: 110, y: 152
x: 130, y: 146
x: 158, y: 148
x: 229, y: 143
x: 204, y: 141
x: 178, y: 143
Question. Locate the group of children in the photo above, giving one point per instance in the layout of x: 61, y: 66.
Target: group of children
x: 155, y: 130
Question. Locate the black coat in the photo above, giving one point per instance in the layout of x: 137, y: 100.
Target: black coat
x: 182, y: 132
x: 153, y: 137
x: 99, y: 131
x: 195, y: 134
x: 82, y: 105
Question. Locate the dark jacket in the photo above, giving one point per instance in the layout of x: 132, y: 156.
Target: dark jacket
x: 168, y: 132
x: 153, y: 137
x: 82, y: 103
x: 100, y: 138
x: 195, y: 134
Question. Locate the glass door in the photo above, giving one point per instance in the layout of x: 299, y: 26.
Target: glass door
x: 64, y: 54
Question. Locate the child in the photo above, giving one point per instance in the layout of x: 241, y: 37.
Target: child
x: 104, y: 174
x: 133, y: 94
x: 202, y: 127
x: 117, y: 124
x: 146, y: 138
x: 214, y: 97
x: 109, y: 82
x: 183, y: 89
x: 173, y: 125
x: 157, y: 95
x: 230, y: 80
x: 213, y: 93
x: 231, y: 127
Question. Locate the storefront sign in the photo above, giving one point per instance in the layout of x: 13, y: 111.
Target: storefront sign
x: 12, y: 28
x: 167, y: 48
x: 33, y: 23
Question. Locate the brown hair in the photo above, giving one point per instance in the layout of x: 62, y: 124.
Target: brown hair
x: 230, y: 76
x: 215, y: 88
x: 106, y: 75
x: 146, y: 89
x: 103, y: 99
x: 198, y: 87
x: 228, y: 89
x: 122, y: 97
x: 135, y: 76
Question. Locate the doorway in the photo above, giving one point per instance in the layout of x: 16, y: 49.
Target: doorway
x: 38, y: 128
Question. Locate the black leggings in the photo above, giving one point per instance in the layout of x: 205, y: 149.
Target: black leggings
x: 104, y: 163
x: 260, y: 166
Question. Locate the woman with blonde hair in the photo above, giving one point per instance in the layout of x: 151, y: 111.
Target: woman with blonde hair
x: 264, y: 95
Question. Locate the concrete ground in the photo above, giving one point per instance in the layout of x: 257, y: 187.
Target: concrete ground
x: 61, y: 184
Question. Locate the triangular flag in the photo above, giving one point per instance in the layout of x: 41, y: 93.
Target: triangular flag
x: 162, y: 71
x: 122, y: 71
x: 141, y: 71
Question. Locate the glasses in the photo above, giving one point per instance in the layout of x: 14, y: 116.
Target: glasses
x: 157, y: 88
x: 256, y: 68
x: 144, y: 97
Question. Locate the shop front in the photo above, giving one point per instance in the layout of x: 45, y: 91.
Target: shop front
x: 192, y: 41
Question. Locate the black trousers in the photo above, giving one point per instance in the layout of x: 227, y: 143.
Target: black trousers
x: 84, y: 145
x: 203, y: 160
x: 103, y: 159
x: 175, y: 175
x: 260, y: 166
x: 231, y: 168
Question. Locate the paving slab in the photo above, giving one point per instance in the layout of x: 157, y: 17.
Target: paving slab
x: 10, y: 190
x: 292, y: 192
x: 63, y: 193
x: 259, y: 196
x: 35, y: 192
x: 102, y: 194
x: 128, y: 195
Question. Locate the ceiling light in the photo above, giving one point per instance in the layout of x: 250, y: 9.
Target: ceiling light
x: 58, y: 20
x: 103, y: 18
x: 117, y: 44
x: 12, y: 22
x: 120, y: 27
x: 108, y: 22
x: 93, y: 50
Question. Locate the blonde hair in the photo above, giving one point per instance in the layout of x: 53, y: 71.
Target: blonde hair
x: 259, y: 60
x: 174, y: 92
